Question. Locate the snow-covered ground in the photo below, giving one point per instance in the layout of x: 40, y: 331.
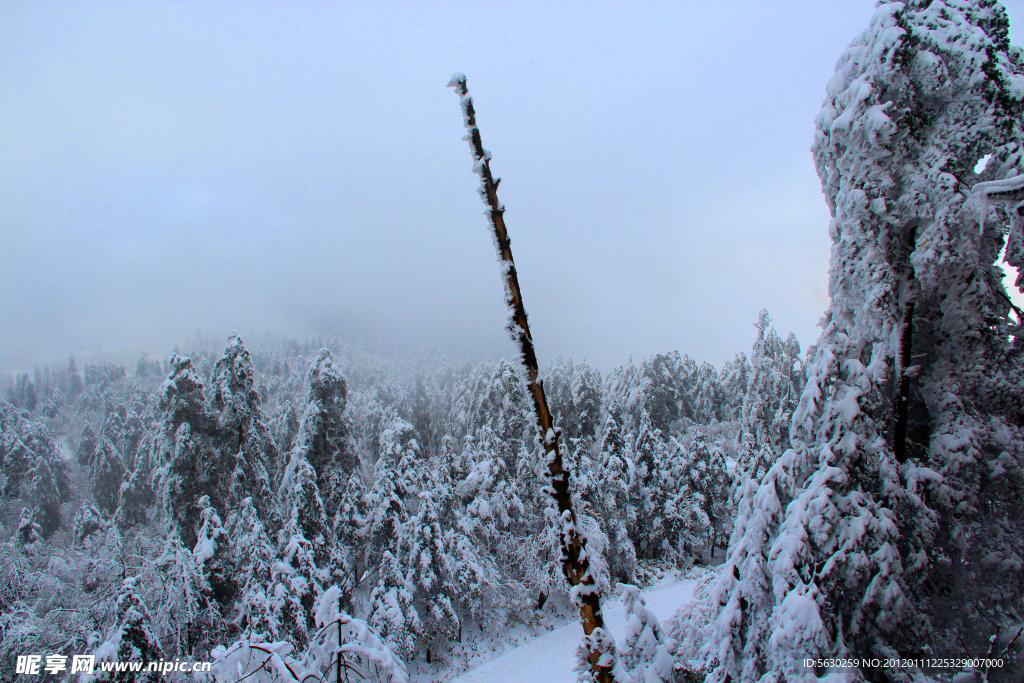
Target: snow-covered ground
x: 550, y: 658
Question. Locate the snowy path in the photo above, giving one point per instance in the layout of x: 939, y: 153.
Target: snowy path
x: 550, y: 658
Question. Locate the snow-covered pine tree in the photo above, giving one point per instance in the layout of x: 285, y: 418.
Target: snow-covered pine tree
x: 242, y: 437
x: 324, y: 432
x: 895, y: 495
x: 258, y: 607
x: 29, y: 533
x: 87, y: 522
x: 706, y: 474
x: 492, y: 522
x: 708, y: 398
x: 187, y: 466
x: 425, y: 557
x: 214, y: 557
x: 392, y: 613
x: 769, y: 400
x: 611, y: 499
x: 136, y: 495
x: 131, y: 638
x: 44, y: 489
x: 385, y: 512
x: 646, y: 495
x: 733, y: 381
x: 645, y: 649
x: 86, y: 445
x: 682, y: 530
x: 107, y: 475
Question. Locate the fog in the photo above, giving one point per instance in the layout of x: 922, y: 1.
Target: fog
x: 169, y: 170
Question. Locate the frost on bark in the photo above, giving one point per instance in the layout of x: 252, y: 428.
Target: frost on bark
x: 575, y: 561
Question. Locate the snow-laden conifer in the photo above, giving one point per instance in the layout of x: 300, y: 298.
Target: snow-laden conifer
x: 324, y: 432
x: 611, y: 499
x: 645, y: 648
x: 392, y: 612
x: 131, y: 638
x: 912, y: 388
x: 242, y: 437
x: 107, y: 475
x: 258, y: 605
x: 84, y: 453
x: 88, y: 521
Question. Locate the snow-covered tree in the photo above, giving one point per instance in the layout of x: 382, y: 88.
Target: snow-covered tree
x: 646, y: 495
x: 29, y: 532
x: 107, y: 475
x: 611, y: 499
x: 258, y: 606
x: 425, y: 556
x: 242, y: 438
x: 86, y: 445
x: 392, y: 612
x: 213, y: 555
x: 645, y: 649
x: 136, y: 494
x: 770, y: 398
x: 863, y: 537
x: 324, y: 432
x: 87, y: 522
x: 187, y: 466
x: 131, y: 638
x: 344, y: 649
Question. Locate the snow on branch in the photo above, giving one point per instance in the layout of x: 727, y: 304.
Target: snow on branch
x: 1009, y: 192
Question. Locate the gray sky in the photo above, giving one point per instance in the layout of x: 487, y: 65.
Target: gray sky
x: 298, y: 167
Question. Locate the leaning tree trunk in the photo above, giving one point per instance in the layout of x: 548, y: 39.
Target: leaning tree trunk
x: 575, y: 562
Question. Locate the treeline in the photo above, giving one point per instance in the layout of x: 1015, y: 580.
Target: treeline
x: 218, y: 496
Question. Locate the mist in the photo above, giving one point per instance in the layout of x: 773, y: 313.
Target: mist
x: 173, y: 171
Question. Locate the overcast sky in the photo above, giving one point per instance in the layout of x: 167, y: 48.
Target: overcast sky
x: 299, y: 168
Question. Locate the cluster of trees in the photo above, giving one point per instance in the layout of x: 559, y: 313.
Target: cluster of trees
x: 892, y: 527
x: 291, y: 499
x: 217, y: 498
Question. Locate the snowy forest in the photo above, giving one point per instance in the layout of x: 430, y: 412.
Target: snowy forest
x: 296, y: 510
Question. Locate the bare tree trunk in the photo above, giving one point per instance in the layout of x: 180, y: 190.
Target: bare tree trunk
x: 575, y: 562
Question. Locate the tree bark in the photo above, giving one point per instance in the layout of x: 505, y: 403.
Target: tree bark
x: 575, y: 562
x: 899, y: 437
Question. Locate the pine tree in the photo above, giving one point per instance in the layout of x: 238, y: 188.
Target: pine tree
x: 45, y: 491
x: 612, y: 505
x: 392, y: 613
x: 86, y: 450
x: 733, y: 380
x: 324, y: 433
x: 257, y: 608
x: 136, y: 494
x: 186, y: 467
x: 87, y: 522
x: 646, y: 496
x: 107, y: 475
x: 242, y: 437
x: 213, y: 555
x: 131, y: 638
x: 425, y: 556
x: 29, y: 533
x: 770, y: 397
x: 645, y: 648
x: 868, y: 531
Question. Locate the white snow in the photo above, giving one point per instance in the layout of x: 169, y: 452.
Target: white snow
x: 550, y: 658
